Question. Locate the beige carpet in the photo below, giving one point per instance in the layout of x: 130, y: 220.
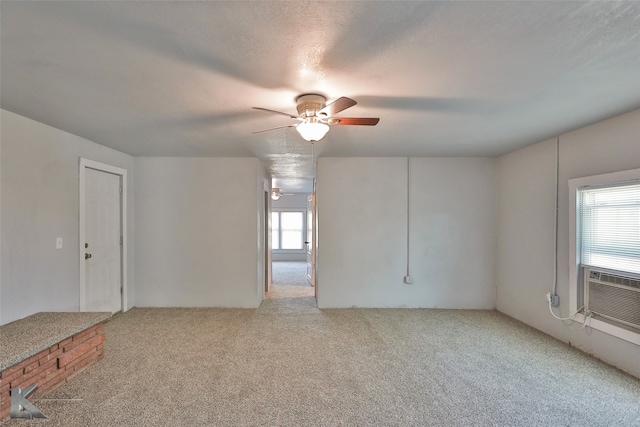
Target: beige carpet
x: 290, y: 273
x: 290, y: 364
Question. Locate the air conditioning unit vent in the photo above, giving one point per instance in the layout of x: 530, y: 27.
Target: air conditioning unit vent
x: 613, y: 297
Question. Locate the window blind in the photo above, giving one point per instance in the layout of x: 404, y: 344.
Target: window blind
x: 610, y: 227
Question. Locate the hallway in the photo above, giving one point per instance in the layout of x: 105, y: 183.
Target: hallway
x: 289, y: 281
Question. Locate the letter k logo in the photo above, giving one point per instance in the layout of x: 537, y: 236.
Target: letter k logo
x: 21, y: 407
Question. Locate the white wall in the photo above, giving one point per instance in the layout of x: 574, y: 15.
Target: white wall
x: 453, y: 232
x: 40, y: 202
x: 362, y: 231
x: 199, y: 234
x: 295, y: 201
x: 526, y: 188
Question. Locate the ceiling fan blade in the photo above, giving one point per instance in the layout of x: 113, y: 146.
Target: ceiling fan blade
x: 336, y: 106
x: 279, y: 127
x: 348, y: 121
x: 435, y: 104
x: 277, y: 112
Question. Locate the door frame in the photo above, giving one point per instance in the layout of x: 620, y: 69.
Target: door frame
x: 310, y: 250
x: 267, y: 242
x: 122, y: 173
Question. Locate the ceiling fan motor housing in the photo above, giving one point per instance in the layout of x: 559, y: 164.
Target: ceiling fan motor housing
x: 309, y: 104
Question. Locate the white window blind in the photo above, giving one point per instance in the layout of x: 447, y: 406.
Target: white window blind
x: 610, y: 227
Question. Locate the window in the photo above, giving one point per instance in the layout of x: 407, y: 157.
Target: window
x: 287, y: 230
x: 605, y: 252
x: 609, y: 221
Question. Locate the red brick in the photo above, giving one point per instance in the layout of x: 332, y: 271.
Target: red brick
x: 4, y: 388
x: 51, y: 356
x: 35, y: 376
x: 87, y: 333
x: 41, y: 354
x: 53, y: 380
x: 41, y: 379
x: 80, y: 364
x: 30, y: 367
x: 76, y: 352
x: 64, y: 342
x: 5, y: 409
x: 27, y: 364
x: 18, y: 366
x: 29, y: 360
x: 71, y: 345
x: 8, y: 378
x: 54, y: 366
x: 4, y: 397
x: 91, y: 354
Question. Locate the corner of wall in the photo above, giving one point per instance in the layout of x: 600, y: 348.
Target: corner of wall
x: 526, y: 231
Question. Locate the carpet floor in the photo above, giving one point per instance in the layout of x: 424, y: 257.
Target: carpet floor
x: 290, y: 364
x: 290, y: 273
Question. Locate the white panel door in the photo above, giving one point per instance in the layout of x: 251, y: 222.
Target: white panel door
x: 103, y: 268
x: 310, y: 241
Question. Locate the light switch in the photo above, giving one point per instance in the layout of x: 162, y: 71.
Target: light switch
x: 59, y: 243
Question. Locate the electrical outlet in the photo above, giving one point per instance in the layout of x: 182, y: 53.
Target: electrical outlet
x: 554, y: 300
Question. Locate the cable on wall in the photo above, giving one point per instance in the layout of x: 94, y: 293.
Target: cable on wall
x: 555, y: 251
x: 408, y: 279
x: 565, y: 318
x: 552, y: 299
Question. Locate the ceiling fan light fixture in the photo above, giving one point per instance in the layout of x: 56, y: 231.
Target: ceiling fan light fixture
x: 315, y: 116
x: 312, y: 130
x: 275, y: 193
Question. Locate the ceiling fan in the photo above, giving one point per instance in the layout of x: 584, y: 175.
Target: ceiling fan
x: 315, y: 116
x: 276, y: 193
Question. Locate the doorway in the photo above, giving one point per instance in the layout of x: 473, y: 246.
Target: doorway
x: 293, y: 247
x: 102, y: 237
x: 289, y: 280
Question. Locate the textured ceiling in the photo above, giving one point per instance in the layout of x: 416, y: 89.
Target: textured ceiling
x: 178, y: 78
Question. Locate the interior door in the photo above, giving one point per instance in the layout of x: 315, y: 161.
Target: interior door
x: 103, y: 246
x: 310, y: 241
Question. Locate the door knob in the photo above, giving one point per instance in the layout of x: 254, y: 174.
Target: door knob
x: 87, y: 256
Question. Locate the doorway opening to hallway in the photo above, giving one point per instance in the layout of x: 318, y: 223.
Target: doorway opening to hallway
x: 289, y: 280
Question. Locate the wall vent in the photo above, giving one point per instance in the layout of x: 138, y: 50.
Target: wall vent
x: 613, y: 296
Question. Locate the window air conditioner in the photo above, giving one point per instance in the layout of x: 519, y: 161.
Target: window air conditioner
x: 614, y: 297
